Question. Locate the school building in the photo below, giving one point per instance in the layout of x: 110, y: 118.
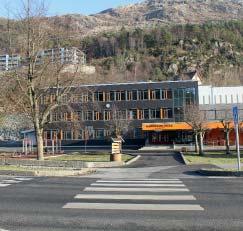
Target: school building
x: 154, y: 111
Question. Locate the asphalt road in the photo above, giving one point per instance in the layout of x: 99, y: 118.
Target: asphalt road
x: 157, y: 192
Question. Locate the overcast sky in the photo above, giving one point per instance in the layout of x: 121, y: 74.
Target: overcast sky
x: 60, y: 7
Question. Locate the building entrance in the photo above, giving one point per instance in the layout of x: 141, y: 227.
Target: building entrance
x: 170, y: 137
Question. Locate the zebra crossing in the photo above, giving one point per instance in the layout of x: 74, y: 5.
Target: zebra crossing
x: 154, y: 195
x: 16, y: 180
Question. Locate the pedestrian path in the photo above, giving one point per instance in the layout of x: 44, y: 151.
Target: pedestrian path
x: 15, y: 180
x: 137, y: 195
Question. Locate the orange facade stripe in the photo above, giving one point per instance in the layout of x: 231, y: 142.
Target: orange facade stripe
x: 181, y: 126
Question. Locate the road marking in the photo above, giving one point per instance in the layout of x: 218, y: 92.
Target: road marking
x: 149, y: 207
x: 4, y: 185
x: 23, y: 179
x: 222, y: 177
x: 143, y: 181
x: 136, y: 197
x: 138, y: 185
x: 102, y: 189
x: 11, y: 181
x: 139, y: 180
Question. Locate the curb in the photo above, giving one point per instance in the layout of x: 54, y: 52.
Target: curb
x: 132, y: 160
x: 208, y: 172
x: 48, y: 173
x: 184, y: 159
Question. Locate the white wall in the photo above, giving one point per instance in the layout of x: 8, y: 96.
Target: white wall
x: 209, y: 95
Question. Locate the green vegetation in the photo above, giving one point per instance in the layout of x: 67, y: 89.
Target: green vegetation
x: 211, y: 158
x: 102, y: 157
x: 164, y: 52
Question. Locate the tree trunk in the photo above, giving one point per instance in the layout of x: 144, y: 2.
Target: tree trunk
x: 201, y: 152
x: 227, y: 142
x: 196, y: 143
x: 40, y: 147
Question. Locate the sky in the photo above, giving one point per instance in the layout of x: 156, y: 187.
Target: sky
x: 60, y: 7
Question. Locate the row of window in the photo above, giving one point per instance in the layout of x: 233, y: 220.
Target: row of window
x: 223, y: 99
x: 81, y: 134
x: 132, y: 114
x: 134, y: 95
x: 84, y: 134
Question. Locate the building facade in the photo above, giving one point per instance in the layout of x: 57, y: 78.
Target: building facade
x: 92, y: 109
x: 153, y: 112
x: 216, y: 104
x: 63, y: 55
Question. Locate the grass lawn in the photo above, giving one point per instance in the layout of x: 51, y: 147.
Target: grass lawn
x: 212, y: 158
x: 102, y: 157
x: 13, y: 168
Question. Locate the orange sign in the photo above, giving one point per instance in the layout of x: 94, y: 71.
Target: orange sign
x: 165, y: 126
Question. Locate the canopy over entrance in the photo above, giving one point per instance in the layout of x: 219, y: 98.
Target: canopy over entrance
x: 182, y: 126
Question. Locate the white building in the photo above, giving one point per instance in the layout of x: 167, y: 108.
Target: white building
x: 209, y: 95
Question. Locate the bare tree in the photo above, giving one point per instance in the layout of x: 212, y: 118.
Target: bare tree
x: 226, y: 122
x: 118, y: 124
x: 40, y: 78
x: 196, y: 119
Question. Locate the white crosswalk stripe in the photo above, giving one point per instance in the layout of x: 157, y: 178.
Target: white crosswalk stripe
x: 16, y: 180
x: 119, y: 206
x: 106, y: 189
x: 138, y: 185
x: 136, y: 197
x: 134, y: 190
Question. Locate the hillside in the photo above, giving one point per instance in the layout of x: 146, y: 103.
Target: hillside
x: 150, y: 13
x: 152, y: 40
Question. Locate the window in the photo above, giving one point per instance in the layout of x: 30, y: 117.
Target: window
x: 120, y: 95
x: 204, y: 100
x: 132, y: 114
x: 140, y: 114
x: 88, y: 116
x: 76, y: 98
x: 98, y: 116
x: 79, y: 115
x: 119, y: 115
x: 112, y: 95
x: 143, y: 95
x: 107, y: 96
x: 155, y: 94
x: 67, y: 135
x: 99, y: 96
x: 67, y: 116
x: 146, y: 113
x: 129, y: 95
x: 179, y: 114
x: 54, y: 117
x: 123, y: 95
x: 134, y: 95
x: 64, y: 99
x: 226, y: 99
x: 99, y: 134
x: 85, y: 97
x: 167, y: 94
x: 155, y: 113
x: 107, y: 115
x: 166, y: 113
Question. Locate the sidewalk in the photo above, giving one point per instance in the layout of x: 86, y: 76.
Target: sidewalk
x: 229, y: 166
x: 179, y: 147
